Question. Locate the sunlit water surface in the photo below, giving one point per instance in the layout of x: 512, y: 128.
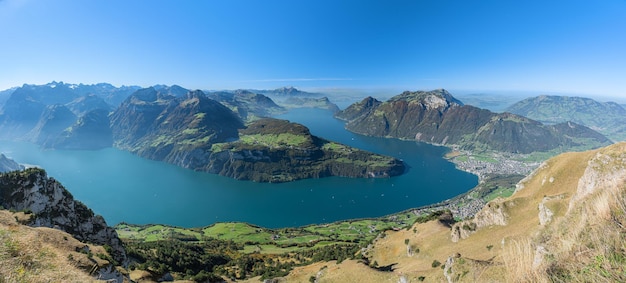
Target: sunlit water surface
x: 124, y: 187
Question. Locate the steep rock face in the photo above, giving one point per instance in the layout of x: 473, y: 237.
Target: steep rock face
x: 53, y: 206
x: 437, y: 117
x: 608, y: 118
x: 605, y: 169
x: 91, y: 131
x: 52, y: 122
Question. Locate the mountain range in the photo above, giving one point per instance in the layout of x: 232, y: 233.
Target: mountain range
x: 202, y: 134
x: 563, y: 223
x: 47, y: 107
x: 608, y: 118
x: 439, y: 118
x: 182, y: 127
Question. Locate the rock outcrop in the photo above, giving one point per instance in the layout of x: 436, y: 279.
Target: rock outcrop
x: 53, y: 206
x: 494, y: 213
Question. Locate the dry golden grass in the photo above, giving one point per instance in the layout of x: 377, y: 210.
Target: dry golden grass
x: 348, y: 271
x: 583, y: 244
x: 42, y: 254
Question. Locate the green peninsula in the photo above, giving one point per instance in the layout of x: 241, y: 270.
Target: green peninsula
x: 273, y: 150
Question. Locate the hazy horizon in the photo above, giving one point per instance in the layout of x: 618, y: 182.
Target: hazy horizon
x: 568, y: 47
x: 387, y: 92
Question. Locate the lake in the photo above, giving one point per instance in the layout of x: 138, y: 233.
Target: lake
x: 123, y: 187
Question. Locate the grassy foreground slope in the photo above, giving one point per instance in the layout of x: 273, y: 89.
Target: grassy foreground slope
x: 249, y: 251
x: 564, y: 223
x: 45, y: 255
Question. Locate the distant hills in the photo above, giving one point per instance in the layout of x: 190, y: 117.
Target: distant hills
x: 7, y: 164
x: 608, y: 118
x: 248, y: 105
x: 48, y: 107
x: 564, y: 222
x: 439, y: 118
x: 286, y: 92
x: 204, y: 132
x: 196, y: 132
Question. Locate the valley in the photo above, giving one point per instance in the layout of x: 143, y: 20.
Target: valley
x: 312, y: 141
x: 292, y: 216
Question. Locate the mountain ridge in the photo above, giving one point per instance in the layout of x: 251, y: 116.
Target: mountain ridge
x: 53, y: 206
x: 437, y: 117
x: 609, y: 118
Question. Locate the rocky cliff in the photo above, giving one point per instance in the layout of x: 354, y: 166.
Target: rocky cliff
x: 437, y: 117
x: 53, y: 206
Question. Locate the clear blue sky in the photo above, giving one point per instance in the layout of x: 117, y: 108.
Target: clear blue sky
x: 560, y: 46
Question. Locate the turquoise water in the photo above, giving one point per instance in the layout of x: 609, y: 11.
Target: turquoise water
x: 124, y: 187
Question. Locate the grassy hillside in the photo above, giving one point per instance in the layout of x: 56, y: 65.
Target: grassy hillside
x: 246, y: 251
x: 45, y: 255
x: 564, y: 223
x: 252, y: 252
